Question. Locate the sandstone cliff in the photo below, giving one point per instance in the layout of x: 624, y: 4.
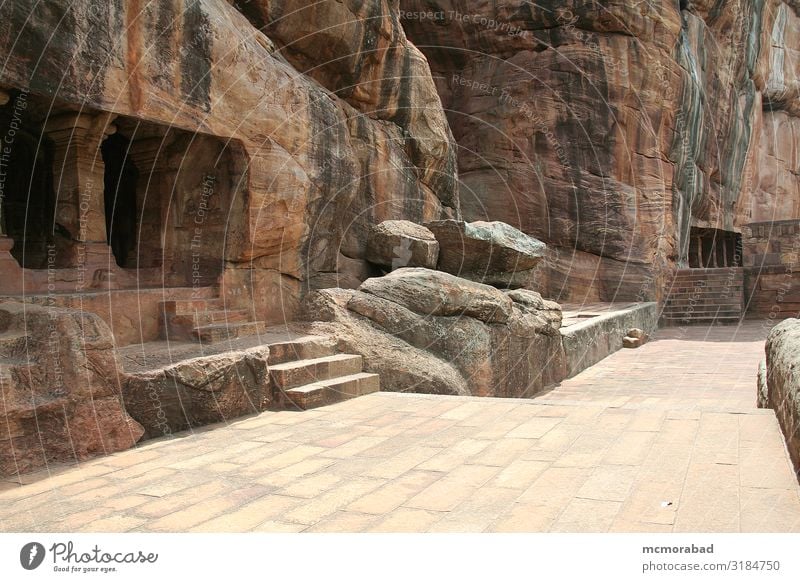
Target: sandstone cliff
x: 609, y: 129
x: 359, y: 139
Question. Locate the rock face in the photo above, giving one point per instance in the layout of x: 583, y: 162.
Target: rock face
x: 783, y: 383
x: 399, y: 243
x: 59, y: 378
x: 609, y: 130
x: 199, y: 391
x: 489, y: 252
x: 431, y: 332
x: 775, y: 177
x: 332, y: 119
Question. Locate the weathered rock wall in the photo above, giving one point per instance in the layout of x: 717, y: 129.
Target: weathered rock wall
x: 775, y: 196
x: 326, y: 155
x: 783, y: 383
x: 608, y: 129
x: 61, y: 398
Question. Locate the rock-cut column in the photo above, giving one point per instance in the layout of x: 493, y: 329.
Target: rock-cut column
x: 78, y: 171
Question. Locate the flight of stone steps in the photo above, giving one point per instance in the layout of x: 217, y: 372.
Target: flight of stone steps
x: 307, y: 373
x: 205, y: 320
x: 705, y: 296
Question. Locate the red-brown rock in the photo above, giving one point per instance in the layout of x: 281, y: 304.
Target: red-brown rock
x: 61, y: 398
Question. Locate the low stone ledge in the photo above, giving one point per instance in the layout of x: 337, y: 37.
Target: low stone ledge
x: 588, y: 342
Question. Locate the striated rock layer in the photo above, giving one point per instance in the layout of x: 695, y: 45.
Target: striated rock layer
x: 609, y: 130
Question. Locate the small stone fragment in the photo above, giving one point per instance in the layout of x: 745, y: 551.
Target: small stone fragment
x: 631, y: 342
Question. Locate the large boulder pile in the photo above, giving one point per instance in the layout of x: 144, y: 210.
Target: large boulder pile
x: 432, y: 332
x: 60, y: 389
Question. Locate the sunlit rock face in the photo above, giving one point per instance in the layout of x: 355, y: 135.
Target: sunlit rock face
x: 609, y: 129
x: 332, y: 115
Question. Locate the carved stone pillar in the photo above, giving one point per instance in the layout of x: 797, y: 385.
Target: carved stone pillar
x: 78, y: 172
x: 12, y: 281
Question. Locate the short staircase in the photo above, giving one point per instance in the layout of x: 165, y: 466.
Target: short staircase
x: 705, y: 296
x: 308, y: 373
x: 205, y: 320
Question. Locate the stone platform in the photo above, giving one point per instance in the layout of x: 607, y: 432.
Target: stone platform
x: 593, y: 331
x: 655, y: 439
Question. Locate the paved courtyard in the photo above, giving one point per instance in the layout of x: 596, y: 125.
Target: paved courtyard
x: 663, y: 438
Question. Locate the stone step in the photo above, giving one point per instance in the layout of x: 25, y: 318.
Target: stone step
x: 707, y: 271
x: 677, y: 321
x: 724, y: 275
x: 301, y: 348
x: 705, y: 296
x: 712, y: 301
x: 300, y: 372
x: 704, y: 287
x: 217, y: 332
x: 13, y: 344
x: 704, y: 309
x: 331, y: 391
x: 701, y: 315
x: 190, y: 306
x: 684, y: 283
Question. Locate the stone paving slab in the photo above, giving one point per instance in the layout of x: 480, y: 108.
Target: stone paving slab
x: 659, y: 439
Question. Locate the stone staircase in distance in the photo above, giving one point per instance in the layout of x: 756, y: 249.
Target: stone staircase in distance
x: 308, y: 374
x: 205, y: 320
x: 705, y: 296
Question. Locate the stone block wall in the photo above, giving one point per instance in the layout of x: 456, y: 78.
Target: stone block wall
x: 771, y: 253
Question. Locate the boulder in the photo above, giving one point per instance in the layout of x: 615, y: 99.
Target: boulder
x: 782, y: 392
x: 403, y: 368
x: 60, y: 389
x: 631, y: 342
x: 399, y: 243
x: 427, y: 292
x: 431, y: 332
x: 199, y: 391
x: 494, y: 253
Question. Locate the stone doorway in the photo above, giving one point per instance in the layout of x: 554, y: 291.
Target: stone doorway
x: 26, y: 185
x: 106, y: 201
x: 711, y: 248
x: 119, y: 193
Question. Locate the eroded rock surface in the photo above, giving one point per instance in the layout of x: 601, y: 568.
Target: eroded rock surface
x: 399, y: 243
x: 783, y: 383
x: 494, y: 253
x: 431, y: 332
x: 331, y: 116
x: 199, y: 391
x: 60, y: 389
